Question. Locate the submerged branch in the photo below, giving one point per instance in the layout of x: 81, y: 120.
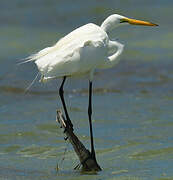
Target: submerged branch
x: 88, y: 163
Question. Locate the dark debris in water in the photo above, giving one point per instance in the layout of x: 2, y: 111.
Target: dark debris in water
x: 18, y: 90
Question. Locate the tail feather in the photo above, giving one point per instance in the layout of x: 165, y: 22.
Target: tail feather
x: 26, y: 90
x: 37, y: 56
x: 32, y: 57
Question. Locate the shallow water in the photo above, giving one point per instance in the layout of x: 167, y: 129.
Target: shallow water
x: 132, y: 103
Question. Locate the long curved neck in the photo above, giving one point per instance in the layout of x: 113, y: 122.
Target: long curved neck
x: 110, y: 23
x: 107, y: 25
x: 114, y: 58
x: 116, y: 49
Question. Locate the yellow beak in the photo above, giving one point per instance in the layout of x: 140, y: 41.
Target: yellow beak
x: 139, y: 22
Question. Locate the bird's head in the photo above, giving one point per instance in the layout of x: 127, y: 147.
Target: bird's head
x: 116, y: 20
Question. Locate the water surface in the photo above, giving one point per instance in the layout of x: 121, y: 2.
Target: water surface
x: 132, y: 102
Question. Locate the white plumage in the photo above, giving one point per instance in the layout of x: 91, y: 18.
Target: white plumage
x: 81, y: 52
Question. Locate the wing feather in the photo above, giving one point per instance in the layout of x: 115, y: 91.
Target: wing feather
x: 78, y: 52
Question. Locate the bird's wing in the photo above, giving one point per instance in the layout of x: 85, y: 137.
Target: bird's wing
x: 87, y: 29
x: 78, y: 52
x: 76, y: 59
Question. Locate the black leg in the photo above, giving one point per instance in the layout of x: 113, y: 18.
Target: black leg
x: 61, y: 93
x: 90, y: 121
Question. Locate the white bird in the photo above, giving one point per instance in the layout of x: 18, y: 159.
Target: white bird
x: 81, y: 52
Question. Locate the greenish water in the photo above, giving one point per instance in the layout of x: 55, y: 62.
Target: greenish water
x: 132, y: 118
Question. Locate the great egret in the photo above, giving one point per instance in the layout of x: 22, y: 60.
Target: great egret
x: 80, y: 53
